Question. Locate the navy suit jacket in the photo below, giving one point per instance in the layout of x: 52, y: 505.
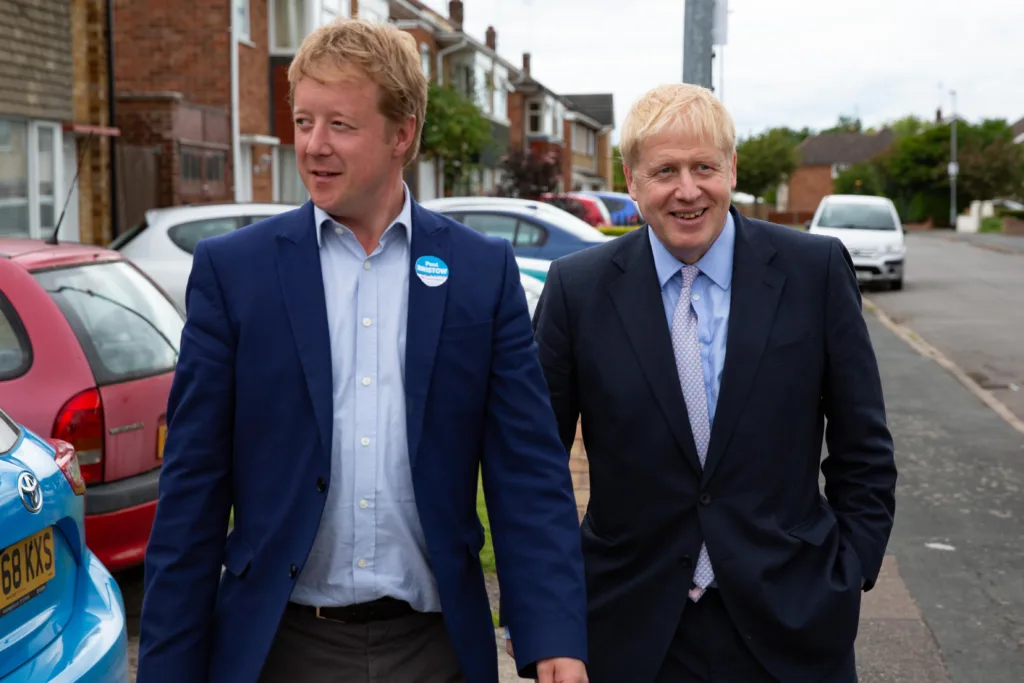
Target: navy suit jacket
x: 790, y: 563
x: 250, y: 428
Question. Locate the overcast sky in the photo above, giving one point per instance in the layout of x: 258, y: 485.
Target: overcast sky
x: 787, y: 62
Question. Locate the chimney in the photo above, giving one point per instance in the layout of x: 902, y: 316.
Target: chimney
x: 526, y: 63
x: 492, y: 39
x: 455, y: 13
x: 938, y: 115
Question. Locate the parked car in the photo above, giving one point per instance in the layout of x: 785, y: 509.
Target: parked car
x: 88, y: 347
x: 871, y: 230
x: 621, y: 207
x: 162, y: 245
x: 534, y: 267
x: 533, y: 288
x: 62, y: 615
x: 536, y: 229
x: 585, y: 207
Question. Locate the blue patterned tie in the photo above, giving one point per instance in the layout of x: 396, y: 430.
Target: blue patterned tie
x: 691, y: 379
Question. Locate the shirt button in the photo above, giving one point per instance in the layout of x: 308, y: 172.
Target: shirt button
x: 365, y: 441
x: 321, y: 484
x: 367, y: 322
x: 696, y: 297
x: 366, y: 265
x: 366, y: 381
x: 362, y: 564
x: 337, y: 231
x: 363, y: 504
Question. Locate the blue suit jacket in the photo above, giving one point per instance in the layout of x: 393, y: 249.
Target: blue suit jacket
x: 250, y: 427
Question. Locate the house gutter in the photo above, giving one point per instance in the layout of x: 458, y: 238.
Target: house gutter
x: 236, y: 147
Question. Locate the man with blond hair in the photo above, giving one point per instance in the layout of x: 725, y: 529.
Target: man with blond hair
x: 704, y: 353
x: 348, y: 369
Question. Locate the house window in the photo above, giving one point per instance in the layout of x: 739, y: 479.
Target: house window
x: 202, y: 172
x: 31, y: 170
x: 287, y: 24
x: 591, y: 143
x: 535, y: 118
x: 425, y: 59
x: 242, y: 19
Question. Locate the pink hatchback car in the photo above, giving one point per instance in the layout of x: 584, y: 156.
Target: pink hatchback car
x: 88, y: 346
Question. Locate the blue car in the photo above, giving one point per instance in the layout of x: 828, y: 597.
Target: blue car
x: 620, y: 206
x: 537, y: 230
x: 62, y: 616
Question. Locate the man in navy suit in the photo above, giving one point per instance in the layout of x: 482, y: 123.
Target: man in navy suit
x: 708, y: 355
x: 346, y: 371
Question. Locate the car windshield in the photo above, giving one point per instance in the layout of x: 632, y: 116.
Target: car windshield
x: 127, y: 328
x: 856, y: 216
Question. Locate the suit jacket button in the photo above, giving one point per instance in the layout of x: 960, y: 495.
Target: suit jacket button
x: 321, y: 484
x: 686, y: 562
x: 705, y: 499
x: 293, y: 571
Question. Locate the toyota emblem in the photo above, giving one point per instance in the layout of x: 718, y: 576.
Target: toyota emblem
x: 31, y: 494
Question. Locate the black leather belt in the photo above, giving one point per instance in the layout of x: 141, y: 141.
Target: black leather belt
x: 382, y: 609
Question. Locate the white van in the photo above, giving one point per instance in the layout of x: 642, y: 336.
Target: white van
x: 871, y: 230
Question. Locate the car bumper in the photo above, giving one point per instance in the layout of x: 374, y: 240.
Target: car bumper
x: 882, y: 269
x: 93, y: 647
x: 119, y: 518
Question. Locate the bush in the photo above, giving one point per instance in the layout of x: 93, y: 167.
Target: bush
x: 991, y: 224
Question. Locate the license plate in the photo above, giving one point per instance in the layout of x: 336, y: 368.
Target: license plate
x: 863, y: 275
x: 25, y: 569
x: 161, y: 438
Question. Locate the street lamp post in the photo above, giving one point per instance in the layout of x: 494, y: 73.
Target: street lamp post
x: 953, y: 166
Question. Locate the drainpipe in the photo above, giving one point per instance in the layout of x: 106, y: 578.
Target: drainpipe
x: 236, y: 148
x: 115, y: 209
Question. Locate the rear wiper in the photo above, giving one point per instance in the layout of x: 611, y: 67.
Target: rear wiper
x: 89, y: 292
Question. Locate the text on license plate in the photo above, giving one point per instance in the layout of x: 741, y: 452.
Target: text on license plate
x: 25, y: 568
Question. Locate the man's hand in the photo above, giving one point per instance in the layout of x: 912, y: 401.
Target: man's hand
x: 560, y: 670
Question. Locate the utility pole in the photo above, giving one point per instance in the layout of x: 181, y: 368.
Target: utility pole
x: 698, y: 25
x: 954, y: 168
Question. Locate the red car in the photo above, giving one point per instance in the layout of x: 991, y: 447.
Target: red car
x: 88, y: 346
x: 590, y: 209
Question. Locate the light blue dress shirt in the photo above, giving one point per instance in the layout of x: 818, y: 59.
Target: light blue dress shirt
x: 710, y: 299
x: 370, y: 543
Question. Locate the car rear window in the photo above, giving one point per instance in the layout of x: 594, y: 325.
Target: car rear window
x: 857, y: 216
x: 15, y: 352
x: 127, y: 328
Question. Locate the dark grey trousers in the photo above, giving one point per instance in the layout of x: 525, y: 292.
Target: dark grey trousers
x: 409, y: 649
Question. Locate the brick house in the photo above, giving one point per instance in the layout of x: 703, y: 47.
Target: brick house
x: 588, y: 132
x: 54, y: 108
x: 476, y: 70
x: 538, y: 116
x: 822, y: 159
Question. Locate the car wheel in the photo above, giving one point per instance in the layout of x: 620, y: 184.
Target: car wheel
x: 896, y: 285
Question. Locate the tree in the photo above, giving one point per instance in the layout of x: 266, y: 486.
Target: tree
x: 455, y: 131
x: 845, y: 124
x: 764, y: 160
x: 991, y: 165
x: 619, y: 184
x: 527, y: 175
x: 864, y: 178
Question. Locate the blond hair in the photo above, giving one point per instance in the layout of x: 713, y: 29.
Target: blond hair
x: 687, y: 108
x: 383, y: 53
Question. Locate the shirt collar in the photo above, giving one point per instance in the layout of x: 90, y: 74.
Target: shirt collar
x: 404, y: 218
x: 716, y: 263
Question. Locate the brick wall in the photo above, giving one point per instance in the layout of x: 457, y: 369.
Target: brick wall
x: 262, y: 174
x: 807, y: 186
x: 253, y: 78
x: 36, y: 70
x: 91, y: 106
x: 517, y: 125
x: 145, y: 121
x: 168, y: 45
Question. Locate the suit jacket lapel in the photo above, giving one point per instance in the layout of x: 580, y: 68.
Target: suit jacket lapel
x: 756, y: 290
x: 430, y: 237
x: 302, y: 283
x: 637, y: 298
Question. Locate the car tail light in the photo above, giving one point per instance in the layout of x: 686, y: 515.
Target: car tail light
x: 80, y: 423
x: 67, y: 461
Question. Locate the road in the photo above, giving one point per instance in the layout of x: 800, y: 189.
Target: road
x: 965, y: 296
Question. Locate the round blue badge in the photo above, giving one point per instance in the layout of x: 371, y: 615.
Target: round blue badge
x: 431, y: 270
